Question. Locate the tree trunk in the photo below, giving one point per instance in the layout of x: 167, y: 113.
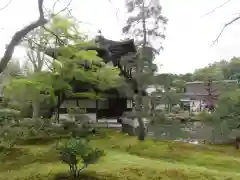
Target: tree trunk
x: 141, y: 132
x: 237, y: 142
x: 144, y: 25
x: 169, y: 108
x: 36, y: 109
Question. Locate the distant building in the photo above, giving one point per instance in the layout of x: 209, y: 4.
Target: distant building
x: 197, y: 96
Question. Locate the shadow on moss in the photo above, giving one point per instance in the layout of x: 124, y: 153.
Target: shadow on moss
x: 139, y: 173
x: 65, y: 176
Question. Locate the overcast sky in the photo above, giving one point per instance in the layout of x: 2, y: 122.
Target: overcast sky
x: 188, y: 36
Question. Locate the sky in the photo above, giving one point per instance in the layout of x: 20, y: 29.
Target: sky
x: 189, y: 34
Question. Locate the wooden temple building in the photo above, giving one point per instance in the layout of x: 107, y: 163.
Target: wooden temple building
x: 113, y: 107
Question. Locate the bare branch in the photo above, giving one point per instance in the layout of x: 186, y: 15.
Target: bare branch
x: 55, y: 3
x: 19, y: 35
x: 80, y: 22
x: 62, y: 10
x: 117, y: 11
x: 6, y: 5
x: 51, y: 14
x: 224, y: 27
x: 216, y: 8
x: 48, y: 64
x: 51, y: 32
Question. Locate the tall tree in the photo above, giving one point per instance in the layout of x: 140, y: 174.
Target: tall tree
x: 146, y: 23
x: 145, y: 18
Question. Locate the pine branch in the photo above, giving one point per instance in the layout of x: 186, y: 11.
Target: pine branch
x: 19, y: 35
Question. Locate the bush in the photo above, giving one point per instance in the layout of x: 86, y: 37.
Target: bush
x: 176, y: 109
x: 71, y: 149
x: 6, y: 115
x: 26, y: 111
x: 13, y: 105
x: 205, y: 116
x: 159, y: 118
x: 9, y: 136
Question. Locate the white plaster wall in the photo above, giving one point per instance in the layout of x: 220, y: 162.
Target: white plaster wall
x: 129, y: 103
x: 195, y: 105
x: 91, y: 116
x: 85, y: 103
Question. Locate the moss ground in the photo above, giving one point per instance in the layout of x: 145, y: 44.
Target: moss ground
x: 127, y: 159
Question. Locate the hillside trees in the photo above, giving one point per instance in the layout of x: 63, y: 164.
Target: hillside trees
x: 220, y: 70
x: 227, y: 109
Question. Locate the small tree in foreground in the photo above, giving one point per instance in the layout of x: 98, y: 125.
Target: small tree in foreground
x: 75, y: 150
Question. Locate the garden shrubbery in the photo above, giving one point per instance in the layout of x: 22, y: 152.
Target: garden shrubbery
x: 7, y: 116
x: 159, y: 118
x: 205, y: 116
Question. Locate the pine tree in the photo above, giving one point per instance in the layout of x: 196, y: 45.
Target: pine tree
x: 146, y: 23
x: 143, y: 24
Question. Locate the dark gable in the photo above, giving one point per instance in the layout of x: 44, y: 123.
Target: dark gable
x: 109, y: 50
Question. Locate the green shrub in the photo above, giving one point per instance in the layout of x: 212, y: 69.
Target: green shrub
x: 9, y: 136
x: 26, y: 111
x: 159, y: 118
x: 176, y: 109
x: 205, y: 116
x: 6, y: 115
x: 13, y: 105
x: 71, y: 149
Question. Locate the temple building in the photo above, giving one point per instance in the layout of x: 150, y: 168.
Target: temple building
x: 115, y: 104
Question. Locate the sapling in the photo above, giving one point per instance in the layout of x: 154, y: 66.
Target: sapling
x: 75, y: 150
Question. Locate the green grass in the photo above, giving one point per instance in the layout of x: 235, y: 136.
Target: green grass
x: 128, y: 159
